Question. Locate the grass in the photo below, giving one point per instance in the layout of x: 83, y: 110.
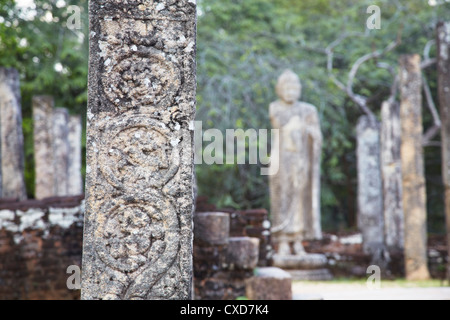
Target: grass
x: 398, y: 283
x: 403, y: 283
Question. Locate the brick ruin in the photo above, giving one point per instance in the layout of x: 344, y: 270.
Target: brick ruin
x: 228, y: 246
x: 40, y: 239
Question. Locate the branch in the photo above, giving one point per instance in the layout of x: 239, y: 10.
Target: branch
x: 432, y: 144
x: 427, y: 61
x: 360, y: 61
x: 431, y: 132
x: 427, y: 48
x: 395, y: 82
x: 361, y: 101
x: 330, y: 56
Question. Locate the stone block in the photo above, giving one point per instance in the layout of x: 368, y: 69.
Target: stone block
x: 301, y: 261
x: 211, y: 228
x: 242, y: 253
x: 322, y: 274
x: 269, y: 283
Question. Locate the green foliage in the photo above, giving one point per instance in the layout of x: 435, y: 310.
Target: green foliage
x: 244, y: 45
x: 51, y: 58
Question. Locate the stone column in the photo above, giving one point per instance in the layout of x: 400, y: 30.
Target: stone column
x: 12, y: 160
x: 414, y: 196
x: 443, y: 43
x: 391, y: 171
x: 139, y: 174
x: 60, y: 140
x: 75, y: 181
x: 43, y: 148
x: 370, y: 196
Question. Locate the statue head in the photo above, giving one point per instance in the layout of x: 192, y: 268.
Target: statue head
x: 288, y: 88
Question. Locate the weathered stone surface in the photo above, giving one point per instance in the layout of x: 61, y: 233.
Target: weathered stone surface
x: 295, y: 188
x: 303, y: 261
x: 370, y: 197
x: 209, y: 259
x: 392, y: 176
x: 75, y: 182
x: 269, y: 283
x: 39, y: 240
x: 53, y: 153
x: 443, y: 44
x: 11, y: 144
x: 322, y: 274
x: 211, y: 228
x: 43, y: 147
x: 222, y: 285
x: 139, y: 194
x: 242, y: 253
x: 414, y: 193
x: 60, y: 141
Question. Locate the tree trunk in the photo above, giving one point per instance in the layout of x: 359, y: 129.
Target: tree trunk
x: 392, y: 176
x: 414, y: 195
x: 443, y: 44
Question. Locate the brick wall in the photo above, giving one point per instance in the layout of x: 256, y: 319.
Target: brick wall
x: 38, y: 241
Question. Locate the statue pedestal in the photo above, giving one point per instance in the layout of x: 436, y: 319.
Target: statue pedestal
x: 307, y: 266
x: 322, y: 274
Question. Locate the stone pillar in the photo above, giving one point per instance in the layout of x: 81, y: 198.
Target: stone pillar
x: 43, y: 148
x: 414, y: 196
x: 60, y: 140
x: 370, y: 196
x: 443, y: 43
x: 391, y: 171
x: 12, y: 160
x: 139, y: 174
x: 57, y: 150
x: 75, y: 181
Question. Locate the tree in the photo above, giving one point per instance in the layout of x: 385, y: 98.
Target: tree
x: 51, y: 59
x: 244, y: 45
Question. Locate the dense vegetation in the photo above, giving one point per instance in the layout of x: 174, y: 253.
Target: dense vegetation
x: 243, y: 45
